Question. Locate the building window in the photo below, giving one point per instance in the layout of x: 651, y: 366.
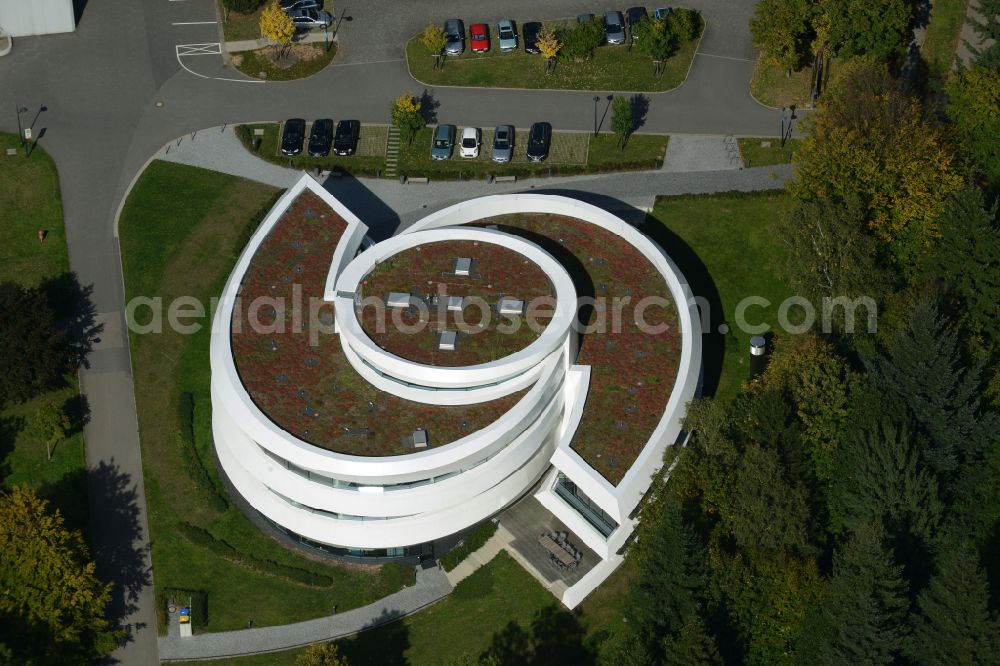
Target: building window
x: 585, y: 506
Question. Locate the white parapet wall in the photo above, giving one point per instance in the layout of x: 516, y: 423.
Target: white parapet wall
x: 23, y: 18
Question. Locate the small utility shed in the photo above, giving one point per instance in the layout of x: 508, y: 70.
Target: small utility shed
x: 22, y: 18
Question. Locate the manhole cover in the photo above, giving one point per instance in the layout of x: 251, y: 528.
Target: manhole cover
x: 171, y: 609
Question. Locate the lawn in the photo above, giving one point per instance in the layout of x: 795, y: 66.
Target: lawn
x: 237, y: 26
x: 755, y: 153
x: 727, y: 247
x: 30, y: 200
x: 771, y: 85
x: 610, y: 68
x: 181, y: 230
x: 301, y: 61
x: 942, y: 35
x: 498, y: 602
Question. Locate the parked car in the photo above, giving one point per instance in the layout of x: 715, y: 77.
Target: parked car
x: 584, y: 18
x: 307, y: 19
x: 539, y: 140
x: 454, y: 31
x: 614, y: 28
x: 662, y: 12
x: 634, y: 16
x: 320, y: 137
x: 346, y: 141
x: 443, y: 142
x: 479, y: 38
x: 472, y: 139
x: 289, y: 5
x: 503, y: 144
x: 507, y: 35
x: 292, y: 136
x: 530, y: 33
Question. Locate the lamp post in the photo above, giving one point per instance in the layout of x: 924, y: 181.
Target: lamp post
x: 20, y: 131
x: 596, y: 100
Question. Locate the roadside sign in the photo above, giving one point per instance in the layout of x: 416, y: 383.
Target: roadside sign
x: 27, y: 134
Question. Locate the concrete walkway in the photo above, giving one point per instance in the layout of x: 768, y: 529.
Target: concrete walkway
x: 499, y: 541
x: 259, y: 43
x: 701, y: 152
x: 431, y: 586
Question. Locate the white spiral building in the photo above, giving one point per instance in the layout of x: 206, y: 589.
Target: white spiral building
x: 340, y: 450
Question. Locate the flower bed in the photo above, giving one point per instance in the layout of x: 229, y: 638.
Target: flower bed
x: 632, y: 370
x: 484, y: 334
x: 308, y: 387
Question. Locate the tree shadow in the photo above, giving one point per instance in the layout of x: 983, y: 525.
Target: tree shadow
x: 77, y: 409
x: 9, y: 427
x: 382, y: 642
x: 75, y: 313
x: 69, y: 495
x: 554, y: 637
x: 640, y: 107
x: 118, y: 541
x: 429, y: 107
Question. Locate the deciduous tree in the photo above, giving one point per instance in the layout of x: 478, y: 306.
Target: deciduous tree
x: 549, y: 46
x: 322, y: 654
x: 622, y: 119
x: 50, y: 424
x: 654, y: 39
x: 974, y: 110
x: 276, y: 25
x: 877, y: 28
x: 988, y: 31
x: 434, y: 39
x: 406, y: 115
x: 52, y: 605
x: 782, y: 30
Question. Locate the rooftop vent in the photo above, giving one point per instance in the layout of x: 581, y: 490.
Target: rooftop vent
x: 420, y: 438
x: 456, y: 304
x: 463, y: 266
x: 511, y: 306
x: 447, y: 340
x: 398, y: 299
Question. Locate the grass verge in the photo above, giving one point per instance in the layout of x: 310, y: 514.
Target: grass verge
x: 498, y: 605
x: 470, y: 544
x: 29, y: 201
x: 727, y: 247
x: 303, y: 60
x: 237, y: 26
x: 755, y: 153
x: 610, y: 68
x: 942, y: 35
x: 181, y: 230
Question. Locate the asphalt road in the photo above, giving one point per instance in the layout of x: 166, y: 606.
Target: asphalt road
x: 116, y: 91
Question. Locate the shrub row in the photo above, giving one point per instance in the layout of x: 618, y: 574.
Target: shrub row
x: 200, y: 537
x: 471, y: 543
x: 197, y: 598
x: 193, y: 464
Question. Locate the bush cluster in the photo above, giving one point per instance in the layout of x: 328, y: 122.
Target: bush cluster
x: 471, y: 543
x: 200, y: 537
x: 193, y: 464
x: 242, y: 6
x: 579, y: 42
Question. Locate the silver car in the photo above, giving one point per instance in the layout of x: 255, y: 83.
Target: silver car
x: 614, y: 28
x: 507, y: 35
x: 306, y: 19
x: 454, y: 31
x: 503, y: 143
x: 443, y: 142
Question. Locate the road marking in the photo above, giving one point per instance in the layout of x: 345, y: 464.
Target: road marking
x: 214, y: 48
x: 195, y: 23
x: 205, y: 49
x: 713, y: 55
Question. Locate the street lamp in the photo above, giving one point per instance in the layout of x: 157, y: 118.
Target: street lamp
x: 782, y: 127
x: 596, y: 100
x: 20, y: 132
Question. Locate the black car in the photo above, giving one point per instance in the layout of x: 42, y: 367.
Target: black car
x: 539, y: 140
x: 634, y: 15
x: 320, y: 137
x: 530, y: 32
x: 347, y: 137
x: 292, y: 136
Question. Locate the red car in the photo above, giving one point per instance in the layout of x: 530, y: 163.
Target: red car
x: 479, y: 37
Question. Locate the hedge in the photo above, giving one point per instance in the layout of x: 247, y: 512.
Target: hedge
x: 193, y: 464
x: 197, y: 598
x: 471, y: 543
x: 201, y: 537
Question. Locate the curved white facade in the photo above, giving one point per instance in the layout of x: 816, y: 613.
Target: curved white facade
x: 391, y: 502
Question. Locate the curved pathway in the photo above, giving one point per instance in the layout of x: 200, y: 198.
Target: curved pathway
x: 115, y: 94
